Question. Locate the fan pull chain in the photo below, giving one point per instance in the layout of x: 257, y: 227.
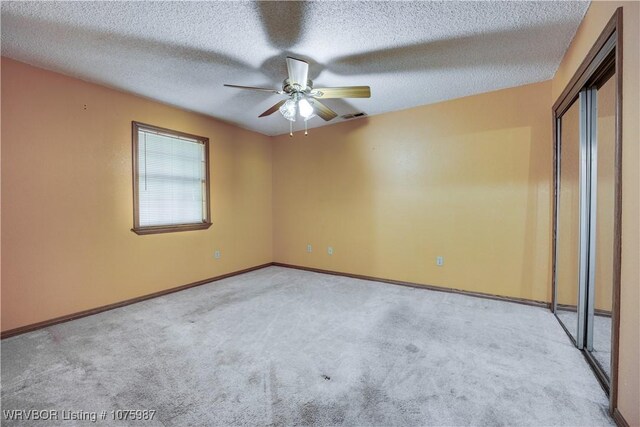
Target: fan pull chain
x: 290, y: 128
x: 305, y: 128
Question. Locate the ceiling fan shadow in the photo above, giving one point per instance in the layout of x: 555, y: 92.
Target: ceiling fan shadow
x: 127, y: 54
x: 520, y: 47
x: 282, y: 21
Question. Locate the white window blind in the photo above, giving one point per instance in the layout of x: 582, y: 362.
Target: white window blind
x: 171, y: 180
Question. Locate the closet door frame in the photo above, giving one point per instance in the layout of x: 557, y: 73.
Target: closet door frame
x: 607, y: 50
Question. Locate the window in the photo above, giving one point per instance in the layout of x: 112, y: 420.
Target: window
x: 170, y: 180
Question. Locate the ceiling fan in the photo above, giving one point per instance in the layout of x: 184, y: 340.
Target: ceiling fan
x: 303, y: 98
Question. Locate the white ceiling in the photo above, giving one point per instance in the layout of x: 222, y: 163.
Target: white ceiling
x: 180, y: 53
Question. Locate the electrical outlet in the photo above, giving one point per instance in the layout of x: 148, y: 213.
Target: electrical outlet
x: 330, y: 250
x: 309, y: 248
x: 439, y: 261
x: 216, y: 254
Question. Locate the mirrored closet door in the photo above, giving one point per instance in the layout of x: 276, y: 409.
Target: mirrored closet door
x: 602, y: 220
x: 587, y: 209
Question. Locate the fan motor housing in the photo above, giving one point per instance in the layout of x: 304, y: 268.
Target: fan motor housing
x: 287, y: 87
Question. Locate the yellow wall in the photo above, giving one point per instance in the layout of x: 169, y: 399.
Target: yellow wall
x: 594, y: 22
x: 67, y: 203
x: 468, y: 179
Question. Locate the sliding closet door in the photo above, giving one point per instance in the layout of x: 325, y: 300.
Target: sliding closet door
x: 603, y: 199
x: 567, y: 279
x: 588, y: 202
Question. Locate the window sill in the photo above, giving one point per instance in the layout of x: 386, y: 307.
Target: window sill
x: 170, y: 228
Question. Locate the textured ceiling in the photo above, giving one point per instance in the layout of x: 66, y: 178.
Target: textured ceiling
x: 180, y: 53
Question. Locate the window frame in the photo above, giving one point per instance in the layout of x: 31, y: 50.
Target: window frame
x: 155, y: 229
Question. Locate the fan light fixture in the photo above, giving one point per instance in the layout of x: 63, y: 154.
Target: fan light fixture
x: 303, y: 98
x: 294, y: 105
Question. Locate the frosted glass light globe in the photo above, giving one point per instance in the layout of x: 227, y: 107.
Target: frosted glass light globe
x: 306, y: 109
x: 289, y: 109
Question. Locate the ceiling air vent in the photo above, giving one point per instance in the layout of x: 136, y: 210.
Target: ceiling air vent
x: 353, y: 116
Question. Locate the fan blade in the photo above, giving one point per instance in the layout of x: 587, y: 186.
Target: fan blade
x: 261, y: 89
x: 323, y: 111
x: 342, y: 92
x: 298, y: 72
x: 273, y: 109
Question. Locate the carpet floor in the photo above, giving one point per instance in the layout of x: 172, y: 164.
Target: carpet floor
x: 279, y: 346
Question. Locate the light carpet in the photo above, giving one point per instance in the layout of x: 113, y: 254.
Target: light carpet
x: 279, y: 346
